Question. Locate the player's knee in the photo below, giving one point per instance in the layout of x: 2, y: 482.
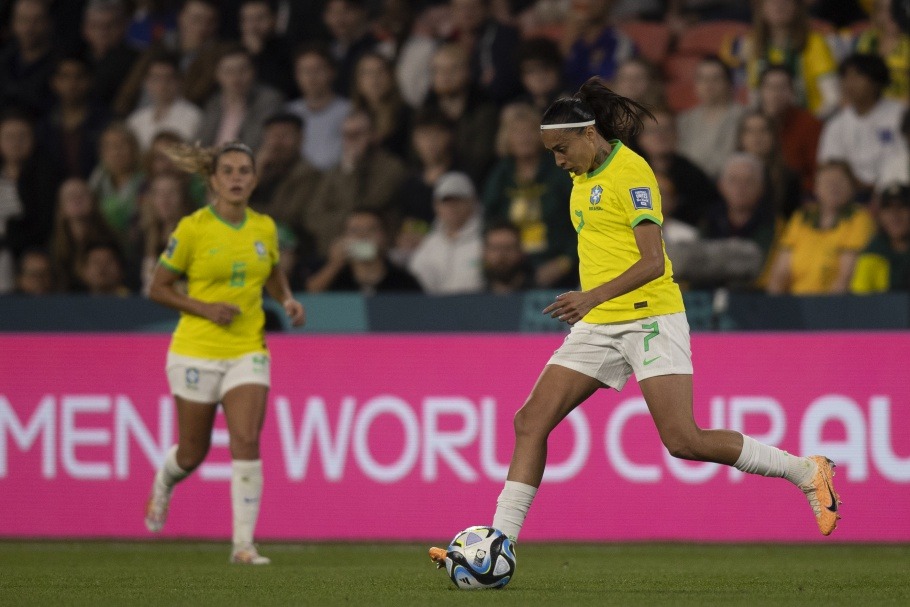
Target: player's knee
x: 190, y: 456
x: 526, y: 424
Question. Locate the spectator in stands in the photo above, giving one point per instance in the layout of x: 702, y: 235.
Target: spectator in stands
x: 884, y: 265
x: 358, y: 259
x: 351, y: 37
x: 475, y: 119
x: 197, y: 48
x: 594, y: 46
x: 152, y: 21
x: 78, y: 222
x: 165, y: 202
x: 269, y: 51
x: 156, y: 161
x: 166, y: 110
x: 865, y: 132
x: 70, y: 132
x: 35, y: 275
x: 820, y: 245
x: 101, y: 270
x: 639, y: 80
x: 781, y: 35
x: 757, y: 136
x: 657, y: 142
x: 412, y: 64
x: 118, y: 179
x: 104, y: 25
x: 505, y: 267
x: 375, y: 91
x: 321, y: 109
x: 885, y: 39
x: 27, y: 189
x: 27, y: 59
x: 741, y: 228
x: 897, y: 166
x: 540, y: 68
x: 528, y: 189
x: 287, y: 181
x: 449, y: 260
x: 798, y: 130
x: 491, y: 45
x: 673, y: 230
x: 240, y: 107
x: 367, y: 176
x: 433, y: 142
x: 707, y: 132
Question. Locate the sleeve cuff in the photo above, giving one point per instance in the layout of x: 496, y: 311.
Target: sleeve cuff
x: 173, y: 269
x: 645, y: 216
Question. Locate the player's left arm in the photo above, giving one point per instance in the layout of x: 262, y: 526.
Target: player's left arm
x: 278, y: 287
x: 573, y: 306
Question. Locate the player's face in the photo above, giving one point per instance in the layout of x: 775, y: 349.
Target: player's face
x: 235, y: 178
x: 572, y: 151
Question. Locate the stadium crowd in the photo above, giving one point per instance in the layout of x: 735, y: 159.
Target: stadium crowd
x: 397, y: 142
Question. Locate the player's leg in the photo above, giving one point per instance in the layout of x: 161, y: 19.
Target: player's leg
x: 557, y: 392
x: 244, y: 410
x: 194, y: 423
x: 669, y: 399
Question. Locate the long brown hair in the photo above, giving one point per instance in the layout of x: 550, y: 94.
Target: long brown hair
x: 797, y: 32
x: 614, y: 116
x: 203, y: 161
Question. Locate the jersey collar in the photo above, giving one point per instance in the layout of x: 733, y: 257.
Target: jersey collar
x: 235, y: 226
x: 616, y: 143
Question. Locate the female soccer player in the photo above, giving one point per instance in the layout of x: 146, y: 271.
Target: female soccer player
x: 227, y: 252
x: 629, y: 316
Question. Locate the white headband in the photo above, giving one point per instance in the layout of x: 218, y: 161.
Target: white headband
x: 570, y: 125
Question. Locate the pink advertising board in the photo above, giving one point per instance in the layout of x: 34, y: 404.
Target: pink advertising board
x: 408, y: 437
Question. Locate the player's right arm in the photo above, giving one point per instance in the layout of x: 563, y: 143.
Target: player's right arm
x: 175, y: 262
x: 164, y: 292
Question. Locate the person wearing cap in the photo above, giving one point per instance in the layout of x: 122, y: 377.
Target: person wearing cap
x: 885, y: 264
x: 627, y: 317
x: 448, y: 260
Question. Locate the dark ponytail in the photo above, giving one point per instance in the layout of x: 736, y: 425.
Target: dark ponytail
x: 615, y: 116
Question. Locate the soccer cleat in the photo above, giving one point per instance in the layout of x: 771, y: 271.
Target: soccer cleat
x: 248, y: 555
x: 156, y: 509
x: 821, y: 495
x: 438, y: 556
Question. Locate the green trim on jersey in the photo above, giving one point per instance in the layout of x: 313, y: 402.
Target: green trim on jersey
x: 616, y: 143
x: 170, y: 267
x: 641, y: 218
x: 235, y: 226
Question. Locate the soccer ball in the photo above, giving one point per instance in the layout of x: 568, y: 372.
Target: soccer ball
x: 480, y: 557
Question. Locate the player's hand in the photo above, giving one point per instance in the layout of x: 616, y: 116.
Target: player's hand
x: 221, y: 313
x: 295, y: 311
x: 571, y: 307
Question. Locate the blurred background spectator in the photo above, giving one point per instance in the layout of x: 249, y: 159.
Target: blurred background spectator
x: 593, y: 45
x: 757, y: 136
x: 270, y: 53
x: 505, y: 266
x: 166, y: 110
x: 884, y: 265
x: 376, y: 92
x: 110, y: 56
x: 27, y: 58
x: 101, y: 268
x: 35, y: 274
x: 819, y: 247
x: 117, y: 180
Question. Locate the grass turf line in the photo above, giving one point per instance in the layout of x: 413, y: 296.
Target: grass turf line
x: 185, y: 573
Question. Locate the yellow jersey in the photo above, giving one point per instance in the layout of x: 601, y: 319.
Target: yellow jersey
x: 226, y: 263
x: 606, y: 205
x: 815, y: 253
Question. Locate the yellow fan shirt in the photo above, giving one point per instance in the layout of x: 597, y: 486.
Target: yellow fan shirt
x: 606, y: 204
x: 227, y: 263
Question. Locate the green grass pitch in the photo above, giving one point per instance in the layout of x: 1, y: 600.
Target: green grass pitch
x: 185, y: 573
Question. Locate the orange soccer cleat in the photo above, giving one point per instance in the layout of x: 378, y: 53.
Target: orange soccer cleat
x: 821, y: 495
x: 438, y: 556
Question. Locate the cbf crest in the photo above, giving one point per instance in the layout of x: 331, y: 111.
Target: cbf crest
x: 260, y: 249
x: 596, y: 194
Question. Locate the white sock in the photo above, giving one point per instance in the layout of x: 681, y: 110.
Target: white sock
x: 758, y: 458
x: 170, y: 473
x: 246, y: 493
x: 512, y: 508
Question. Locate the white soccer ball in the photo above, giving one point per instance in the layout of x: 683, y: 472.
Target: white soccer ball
x: 480, y: 557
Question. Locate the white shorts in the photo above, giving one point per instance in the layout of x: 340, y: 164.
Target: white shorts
x: 656, y: 345
x: 207, y: 380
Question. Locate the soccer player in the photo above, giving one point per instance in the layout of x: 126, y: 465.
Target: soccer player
x: 227, y: 253
x: 628, y: 317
